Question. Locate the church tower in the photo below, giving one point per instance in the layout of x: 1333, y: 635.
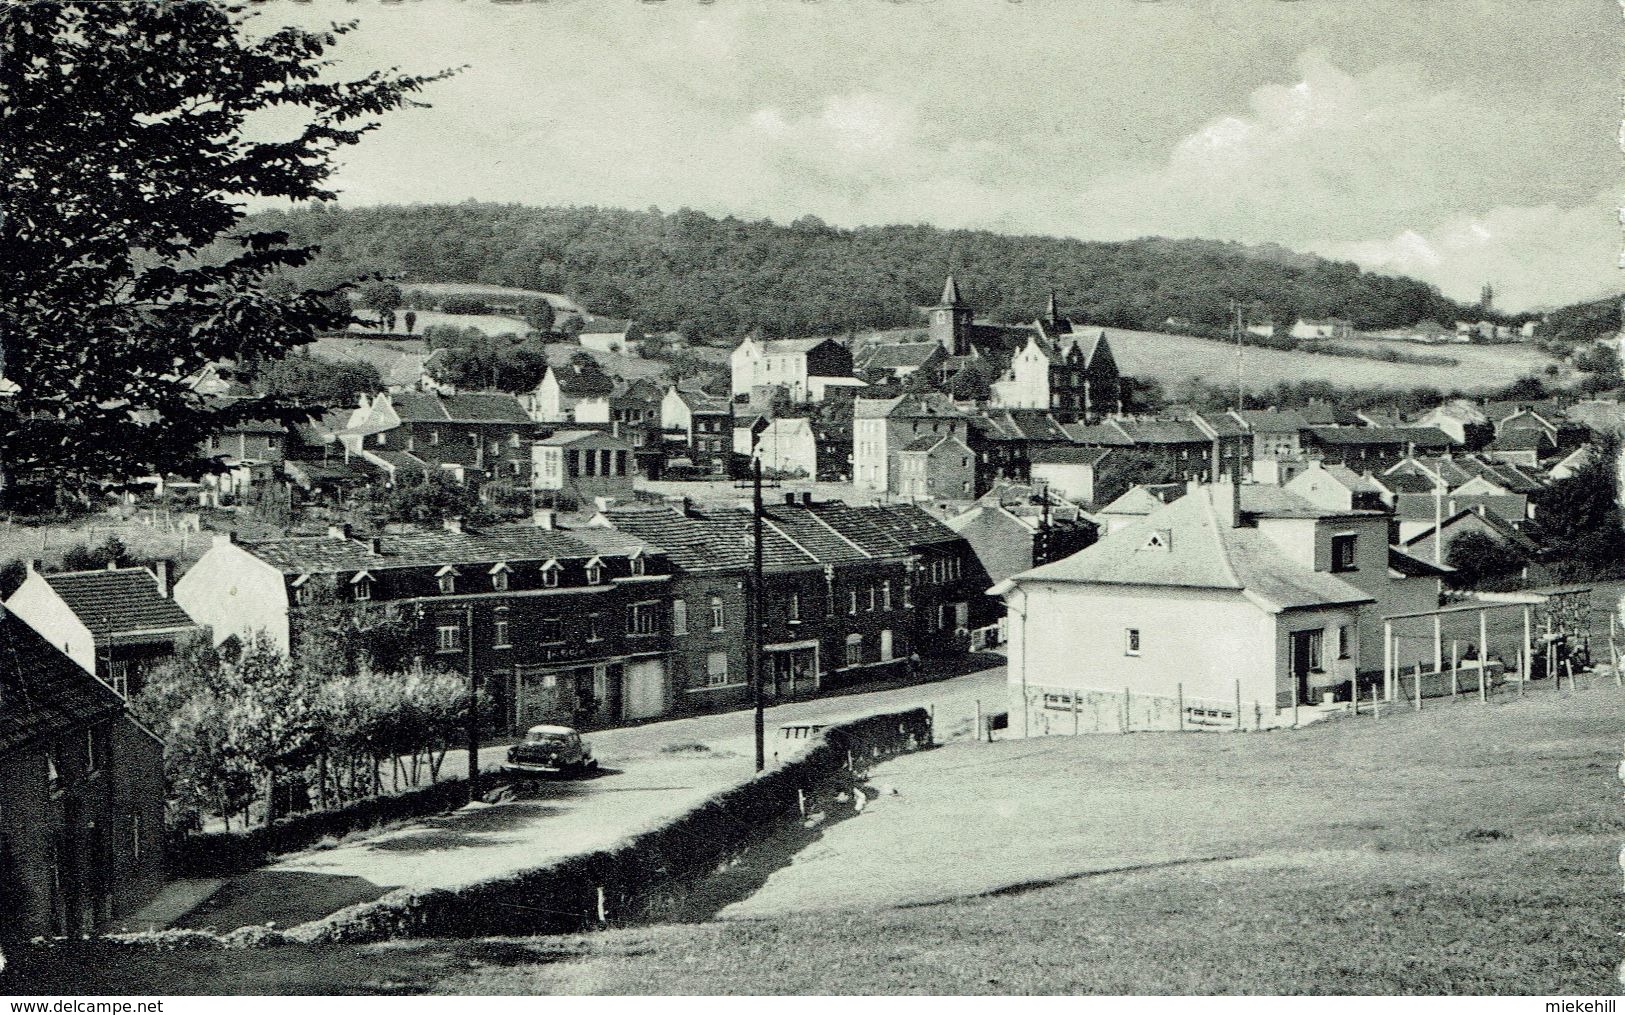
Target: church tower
x: 951, y: 321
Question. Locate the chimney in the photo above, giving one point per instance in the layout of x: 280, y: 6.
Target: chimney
x: 161, y: 571
x: 790, y: 499
x: 36, y: 565
x: 806, y: 498
x: 339, y: 531
x: 112, y: 565
x: 542, y: 518
x: 604, y: 503
x: 375, y: 546
x: 453, y: 524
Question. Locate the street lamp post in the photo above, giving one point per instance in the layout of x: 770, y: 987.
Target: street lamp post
x: 756, y: 592
x: 473, y: 711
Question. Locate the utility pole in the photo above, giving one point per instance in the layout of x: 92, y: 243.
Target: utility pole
x: 756, y: 593
x: 473, y: 711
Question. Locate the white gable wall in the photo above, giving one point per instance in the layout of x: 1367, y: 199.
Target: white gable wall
x: 36, y: 604
x: 236, y: 594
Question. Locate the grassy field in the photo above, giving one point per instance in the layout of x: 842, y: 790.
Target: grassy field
x: 1465, y: 849
x: 1174, y: 358
x: 384, y: 353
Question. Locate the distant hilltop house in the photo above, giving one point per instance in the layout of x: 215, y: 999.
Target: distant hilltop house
x: 611, y: 334
x: 1331, y: 327
x: 1264, y: 329
x: 805, y: 368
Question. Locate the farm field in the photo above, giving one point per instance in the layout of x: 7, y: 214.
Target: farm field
x: 1174, y: 358
x: 1463, y: 849
x: 385, y: 352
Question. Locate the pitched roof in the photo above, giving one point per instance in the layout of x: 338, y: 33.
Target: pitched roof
x: 605, y: 326
x: 1407, y: 565
x: 463, y: 407
x: 581, y: 383
x: 1160, y: 431
x: 1136, y: 500
x: 927, y: 403
x: 585, y: 439
x: 1264, y: 500
x: 119, y: 602
x: 1064, y: 454
x: 43, y: 693
x: 1193, y: 548
x: 950, y: 293
x: 1521, y: 440
x: 1271, y: 420
x: 517, y: 542
x: 889, y: 355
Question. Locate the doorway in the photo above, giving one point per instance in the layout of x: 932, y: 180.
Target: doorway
x: 1306, y: 646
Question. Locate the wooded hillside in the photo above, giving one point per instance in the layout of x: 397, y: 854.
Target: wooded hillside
x: 724, y: 276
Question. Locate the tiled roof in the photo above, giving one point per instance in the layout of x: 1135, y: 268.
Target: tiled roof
x: 605, y: 326
x: 1160, y: 431
x: 1198, y: 550
x: 581, y: 383
x: 1521, y: 440
x: 907, y: 524
x: 1136, y: 500
x: 43, y: 693
x: 928, y: 403
x: 888, y: 355
x: 1407, y: 482
x: 114, y: 603
x: 1063, y: 454
x: 463, y: 407
x: 1099, y: 434
x: 1326, y: 414
x: 1269, y: 501
x: 1274, y: 421
x: 1410, y: 566
x: 516, y: 542
x: 1346, y: 436
x: 783, y: 346
x: 584, y: 438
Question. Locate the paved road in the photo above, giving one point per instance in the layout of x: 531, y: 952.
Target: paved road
x: 651, y: 772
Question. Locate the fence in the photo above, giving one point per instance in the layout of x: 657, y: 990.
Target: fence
x: 1062, y: 711
x: 640, y: 877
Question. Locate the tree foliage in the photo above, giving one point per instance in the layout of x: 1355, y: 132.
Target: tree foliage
x: 128, y: 269
x: 725, y: 276
x: 304, y: 380
x: 1479, y: 558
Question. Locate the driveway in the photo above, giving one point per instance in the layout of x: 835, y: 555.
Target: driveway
x: 650, y: 773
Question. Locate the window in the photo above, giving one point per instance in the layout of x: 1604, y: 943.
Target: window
x: 716, y: 669
x: 716, y: 613
x: 1131, y: 642
x: 301, y: 594
x: 448, y: 583
x: 679, y: 617
x: 793, y: 608
x: 552, y: 631
x: 873, y: 599
x: 135, y: 835
x: 1343, y: 553
x: 95, y: 751
x: 499, y: 581
x: 53, y: 769
x: 854, y: 649
x: 595, y: 627
x: 361, y: 589
x: 1343, y: 642
x: 118, y: 676
x: 637, y: 565
x: 641, y: 619
x: 550, y: 574
x: 852, y: 602
x: 885, y: 596
x: 434, y: 436
x: 595, y: 573
x: 1311, y: 648
x: 499, y: 628
x: 448, y: 637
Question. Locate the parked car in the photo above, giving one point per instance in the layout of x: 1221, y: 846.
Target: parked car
x: 551, y: 749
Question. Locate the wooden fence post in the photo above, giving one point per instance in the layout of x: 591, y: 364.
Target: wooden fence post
x: 1238, y: 705
x: 801, y: 802
x: 978, y: 734
x: 1258, y: 717
x: 1128, y: 716
x: 1416, y: 678
x: 1179, y: 689
x: 1455, y: 668
x: 602, y: 912
x: 1074, y: 711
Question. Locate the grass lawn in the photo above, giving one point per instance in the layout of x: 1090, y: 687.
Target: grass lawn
x: 1467, y: 849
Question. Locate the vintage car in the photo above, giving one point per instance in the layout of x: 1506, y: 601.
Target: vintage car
x: 551, y: 749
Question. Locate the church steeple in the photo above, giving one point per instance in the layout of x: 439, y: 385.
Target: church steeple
x: 1053, y: 314
x: 950, y: 293
x: 951, y: 321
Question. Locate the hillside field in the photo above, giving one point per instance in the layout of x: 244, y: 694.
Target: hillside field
x: 1174, y: 358
x: 385, y: 352
x: 1466, y: 849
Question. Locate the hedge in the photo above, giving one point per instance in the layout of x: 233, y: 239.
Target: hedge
x: 641, y: 876
x: 206, y: 853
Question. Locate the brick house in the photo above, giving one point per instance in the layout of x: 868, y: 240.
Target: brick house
x: 116, y: 622
x: 475, y: 436
x: 559, y: 625
x: 81, y: 795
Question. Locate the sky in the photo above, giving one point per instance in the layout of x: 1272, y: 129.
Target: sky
x: 1457, y: 141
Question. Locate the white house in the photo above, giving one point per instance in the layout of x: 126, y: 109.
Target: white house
x: 1190, y: 618
x: 611, y: 334
x: 882, y: 427
x: 803, y: 367
x: 786, y: 446
x: 1069, y: 470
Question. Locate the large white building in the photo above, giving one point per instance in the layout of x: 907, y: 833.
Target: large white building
x: 804, y: 367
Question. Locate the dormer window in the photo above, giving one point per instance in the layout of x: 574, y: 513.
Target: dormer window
x: 361, y: 587
x: 1159, y: 539
x: 550, y: 574
x: 595, y: 571
x: 434, y: 437
x: 637, y: 564
x: 447, y: 577
x: 499, y: 577
x: 301, y: 590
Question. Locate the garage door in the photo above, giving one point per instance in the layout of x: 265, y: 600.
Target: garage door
x: 645, y: 689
